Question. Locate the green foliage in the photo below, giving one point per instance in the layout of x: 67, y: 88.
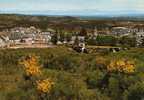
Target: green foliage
x: 128, y: 41
x: 83, y: 32
x: 102, y: 40
x: 136, y: 91
x: 62, y: 37
x: 77, y: 76
x: 91, y: 41
x: 106, y: 40
x: 54, y: 38
x: 114, y: 88
x: 94, y: 78
x: 68, y: 37
x: 20, y: 94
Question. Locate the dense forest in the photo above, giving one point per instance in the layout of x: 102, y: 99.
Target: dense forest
x: 71, y: 75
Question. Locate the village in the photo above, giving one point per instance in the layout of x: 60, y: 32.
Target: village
x: 32, y: 37
x: 71, y: 49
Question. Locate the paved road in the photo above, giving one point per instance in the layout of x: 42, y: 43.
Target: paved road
x: 31, y: 46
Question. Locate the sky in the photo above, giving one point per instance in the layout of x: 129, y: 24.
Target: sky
x: 44, y: 5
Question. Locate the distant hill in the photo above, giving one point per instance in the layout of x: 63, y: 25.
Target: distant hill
x: 68, y: 23
x: 13, y: 20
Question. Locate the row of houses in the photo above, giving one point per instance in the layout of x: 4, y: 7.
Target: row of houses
x: 119, y: 31
x: 33, y: 36
x: 135, y: 31
x: 29, y: 37
x: 25, y: 36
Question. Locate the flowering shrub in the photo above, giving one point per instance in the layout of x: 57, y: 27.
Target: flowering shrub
x: 31, y: 67
x: 124, y: 66
x: 44, y: 86
x: 34, y: 72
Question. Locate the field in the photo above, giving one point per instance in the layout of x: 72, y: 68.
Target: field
x: 76, y: 76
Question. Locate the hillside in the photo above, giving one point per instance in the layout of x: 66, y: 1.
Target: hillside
x: 66, y: 23
x: 9, y: 20
x: 76, y: 76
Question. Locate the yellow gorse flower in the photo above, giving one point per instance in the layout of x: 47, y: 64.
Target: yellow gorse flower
x: 31, y: 66
x: 121, y: 66
x: 44, y: 86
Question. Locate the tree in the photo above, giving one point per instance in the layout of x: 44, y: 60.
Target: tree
x: 106, y: 40
x: 128, y: 41
x: 62, y: 37
x: 83, y: 32
x: 54, y: 38
x: 136, y: 91
x: 76, y: 42
x: 68, y: 37
x: 91, y: 41
x: 142, y: 42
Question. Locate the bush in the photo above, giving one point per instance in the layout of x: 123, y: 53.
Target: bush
x: 127, y: 41
x: 76, y: 76
x: 136, y: 92
x: 106, y: 40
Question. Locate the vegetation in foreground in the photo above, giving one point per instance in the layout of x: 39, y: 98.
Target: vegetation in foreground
x: 62, y: 74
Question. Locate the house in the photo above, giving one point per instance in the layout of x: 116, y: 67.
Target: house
x: 51, y: 31
x: 46, y: 36
x: 27, y: 37
x: 95, y: 32
x: 2, y: 42
x: 139, y: 38
x: 139, y: 28
x: 78, y: 42
x: 80, y: 39
x: 26, y: 40
x: 120, y: 31
x: 4, y: 39
x: 59, y: 43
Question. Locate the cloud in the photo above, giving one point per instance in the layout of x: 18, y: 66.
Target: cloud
x: 140, y: 5
x: 72, y: 4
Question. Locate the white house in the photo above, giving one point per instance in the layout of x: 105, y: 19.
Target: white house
x: 4, y: 41
x: 139, y: 38
x: 46, y: 36
x: 120, y: 31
